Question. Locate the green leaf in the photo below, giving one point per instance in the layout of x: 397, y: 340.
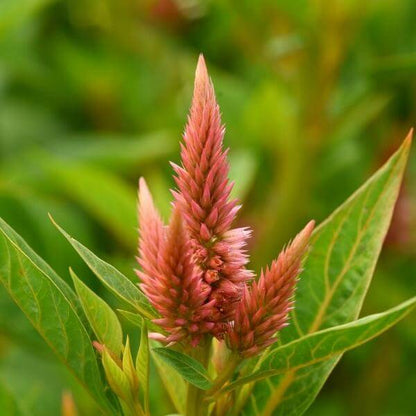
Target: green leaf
x: 190, y: 369
x: 173, y: 382
x: 39, y: 263
x: 101, y: 317
x: 142, y: 366
x: 321, y: 345
x: 119, y: 284
x: 129, y: 368
x: 331, y: 290
x: 134, y: 318
x: 38, y: 292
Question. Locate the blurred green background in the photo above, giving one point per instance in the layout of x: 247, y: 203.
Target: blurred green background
x: 315, y: 96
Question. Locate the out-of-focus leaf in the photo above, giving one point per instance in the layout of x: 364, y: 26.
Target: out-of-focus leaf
x: 352, y: 121
x: 321, y: 345
x: 37, y: 291
x: 101, y: 317
x: 405, y: 62
x: 103, y: 194
x: 121, y: 152
x: 119, y: 284
x: 331, y: 291
x: 243, y: 166
x: 27, y: 376
x: 281, y: 46
x: 8, y: 403
x: 190, y: 369
x: 14, y: 12
x: 161, y: 194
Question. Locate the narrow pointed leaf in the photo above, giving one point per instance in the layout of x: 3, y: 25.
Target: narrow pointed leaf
x: 321, y: 345
x: 38, y: 293
x: 101, y: 317
x: 114, y: 280
x: 190, y: 369
x: 116, y: 378
x: 128, y: 366
x: 331, y: 291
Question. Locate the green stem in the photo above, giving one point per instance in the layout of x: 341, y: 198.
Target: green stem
x: 233, y: 361
x: 195, y: 405
x: 131, y: 409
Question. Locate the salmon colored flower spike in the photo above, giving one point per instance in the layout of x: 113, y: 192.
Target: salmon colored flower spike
x: 265, y: 306
x: 194, y: 270
x: 173, y: 285
x: 203, y: 199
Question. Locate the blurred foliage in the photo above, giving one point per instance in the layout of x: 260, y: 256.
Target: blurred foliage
x: 315, y: 96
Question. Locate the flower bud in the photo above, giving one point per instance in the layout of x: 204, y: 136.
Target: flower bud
x: 129, y: 369
x: 117, y: 379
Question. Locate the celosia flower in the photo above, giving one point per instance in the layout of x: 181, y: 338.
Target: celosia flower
x: 265, y: 306
x: 169, y: 279
x: 193, y: 271
x: 203, y: 198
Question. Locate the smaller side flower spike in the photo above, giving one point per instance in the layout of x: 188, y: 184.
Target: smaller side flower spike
x: 173, y: 285
x: 264, y: 308
x: 152, y: 232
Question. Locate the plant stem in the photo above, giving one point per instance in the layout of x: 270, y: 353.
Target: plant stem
x: 195, y: 405
x: 131, y: 409
x: 233, y: 361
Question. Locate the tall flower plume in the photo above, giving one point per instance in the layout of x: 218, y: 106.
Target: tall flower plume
x: 169, y: 279
x: 203, y: 198
x: 264, y: 308
x: 193, y: 271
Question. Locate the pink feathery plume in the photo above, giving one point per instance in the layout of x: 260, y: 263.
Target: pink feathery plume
x: 203, y: 199
x: 169, y: 279
x: 264, y: 307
